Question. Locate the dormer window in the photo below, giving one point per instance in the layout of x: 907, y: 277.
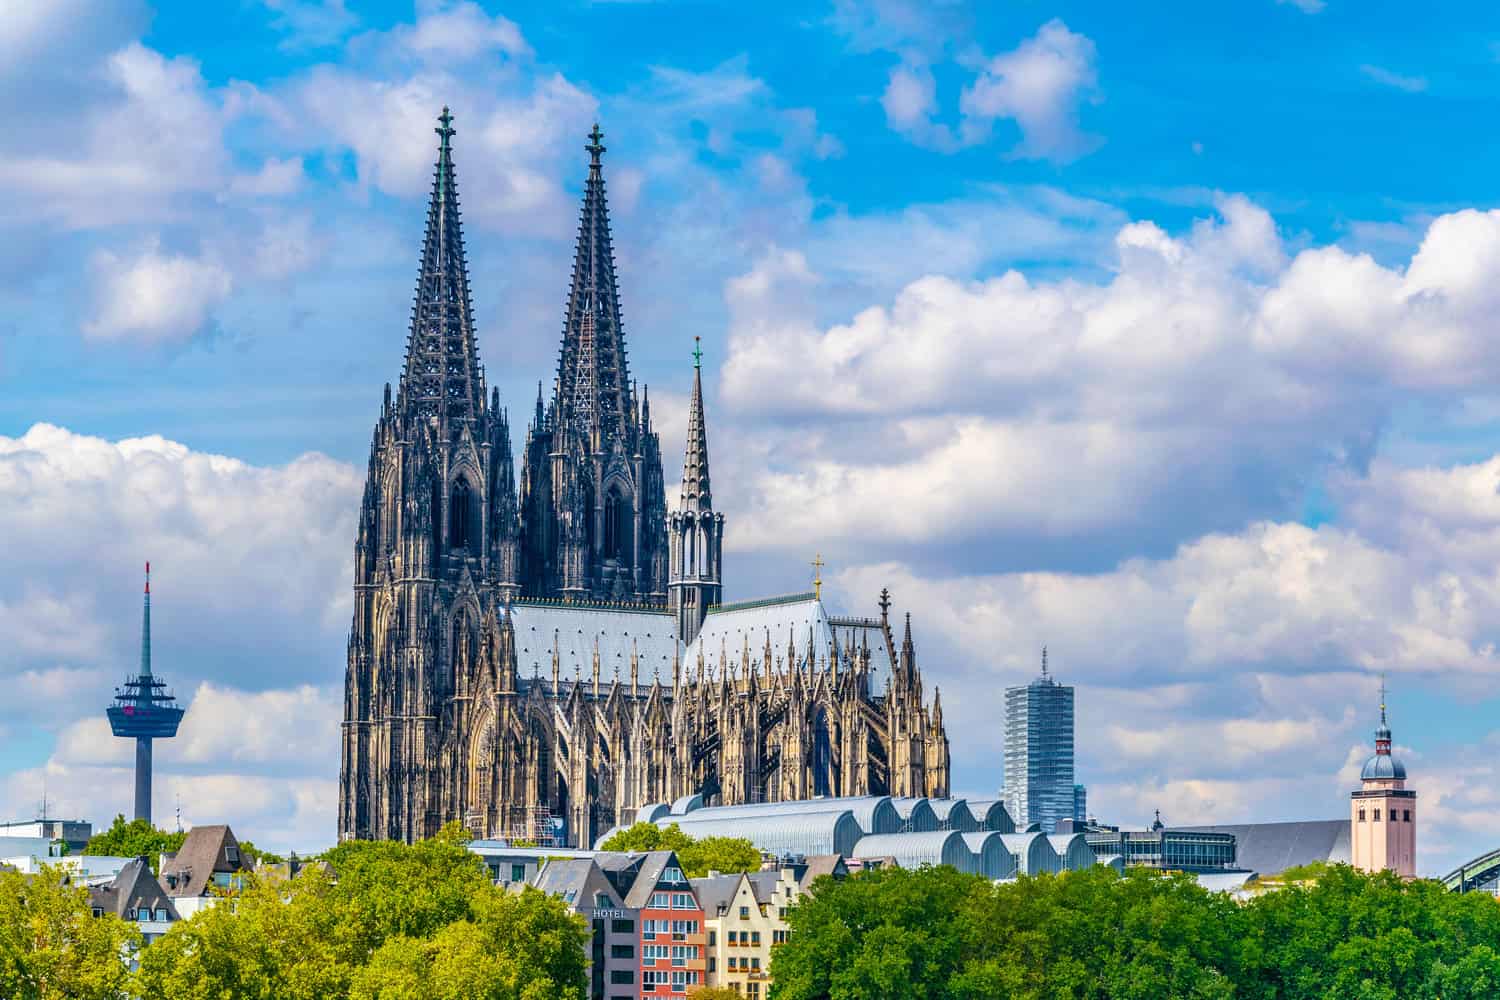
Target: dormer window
x: 232, y: 855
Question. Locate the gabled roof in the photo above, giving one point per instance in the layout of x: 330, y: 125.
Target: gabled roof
x: 650, y: 877
x: 204, y: 852
x: 716, y: 891
x: 822, y: 864
x: 134, y: 888
x: 578, y: 881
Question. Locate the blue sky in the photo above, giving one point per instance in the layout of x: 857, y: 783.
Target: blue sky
x: 1161, y: 335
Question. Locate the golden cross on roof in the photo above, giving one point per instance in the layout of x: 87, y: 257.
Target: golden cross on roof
x: 817, y: 565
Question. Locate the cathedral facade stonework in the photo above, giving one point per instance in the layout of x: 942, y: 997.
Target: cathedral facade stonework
x: 539, y: 659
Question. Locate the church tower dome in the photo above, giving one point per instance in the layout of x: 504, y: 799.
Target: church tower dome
x: 1383, y: 812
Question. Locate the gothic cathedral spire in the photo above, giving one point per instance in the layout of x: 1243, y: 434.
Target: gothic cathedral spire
x: 593, y: 383
x: 696, y: 532
x: 437, y: 549
x: 593, y: 500
x: 442, y: 377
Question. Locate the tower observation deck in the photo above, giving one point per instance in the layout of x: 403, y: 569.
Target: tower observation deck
x: 145, y: 710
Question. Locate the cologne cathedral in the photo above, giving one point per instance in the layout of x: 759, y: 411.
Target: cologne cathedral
x: 540, y: 658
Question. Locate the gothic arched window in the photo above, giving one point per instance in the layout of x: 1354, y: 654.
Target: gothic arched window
x: 460, y: 514
x: 616, y: 524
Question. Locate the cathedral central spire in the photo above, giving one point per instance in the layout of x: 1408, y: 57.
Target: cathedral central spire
x: 442, y: 378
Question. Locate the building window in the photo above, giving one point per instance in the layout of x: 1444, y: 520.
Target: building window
x: 458, y: 515
x: 744, y: 913
x: 734, y: 938
x: 1377, y: 815
x: 622, y: 976
x: 1406, y: 815
x: 518, y: 873
x: 232, y: 855
x: 1361, y: 815
x: 713, y: 938
x: 622, y: 926
x: 670, y: 874
x: 98, y: 911
x: 622, y: 951
x: 713, y: 964
x: 755, y: 939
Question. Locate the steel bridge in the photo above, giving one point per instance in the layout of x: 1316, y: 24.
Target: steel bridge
x: 1482, y: 873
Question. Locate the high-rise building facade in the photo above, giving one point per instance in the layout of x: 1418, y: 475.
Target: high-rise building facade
x: 539, y: 656
x: 1039, y: 752
x: 1383, y: 812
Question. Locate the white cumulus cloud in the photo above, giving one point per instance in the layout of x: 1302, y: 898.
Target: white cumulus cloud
x: 154, y: 296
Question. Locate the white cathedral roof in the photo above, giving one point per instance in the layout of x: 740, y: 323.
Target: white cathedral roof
x: 795, y: 617
x: 574, y: 631
x: 653, y: 637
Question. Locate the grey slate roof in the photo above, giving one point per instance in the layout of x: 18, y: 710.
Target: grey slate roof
x: 576, y: 881
x: 134, y: 888
x: 648, y: 876
x: 1271, y: 848
x: 716, y: 891
x: 822, y: 864
x: 204, y: 851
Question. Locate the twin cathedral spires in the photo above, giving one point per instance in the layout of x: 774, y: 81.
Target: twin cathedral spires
x: 589, y: 521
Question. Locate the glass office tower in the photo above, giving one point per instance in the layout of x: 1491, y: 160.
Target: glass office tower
x: 1039, y: 752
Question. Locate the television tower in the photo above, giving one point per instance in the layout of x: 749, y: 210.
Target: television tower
x: 145, y: 710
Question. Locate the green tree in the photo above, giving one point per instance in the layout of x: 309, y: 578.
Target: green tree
x: 719, y: 854
x: 698, y: 857
x: 279, y: 939
x: 1376, y: 936
x: 517, y: 947
x: 876, y: 935
x: 134, y: 839
x: 52, y: 947
x: 397, y: 920
x: 256, y: 856
x: 645, y: 836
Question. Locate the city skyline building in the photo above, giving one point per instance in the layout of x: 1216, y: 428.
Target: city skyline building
x: 1383, y: 811
x: 144, y: 710
x: 1039, y: 753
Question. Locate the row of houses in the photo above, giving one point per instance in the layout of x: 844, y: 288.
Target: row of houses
x: 209, y: 859
x: 658, y: 933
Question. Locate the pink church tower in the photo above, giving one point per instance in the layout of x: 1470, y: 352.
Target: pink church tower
x: 1383, y: 813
